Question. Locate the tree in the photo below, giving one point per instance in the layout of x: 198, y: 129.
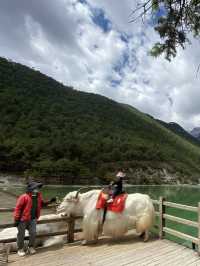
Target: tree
x: 175, y: 21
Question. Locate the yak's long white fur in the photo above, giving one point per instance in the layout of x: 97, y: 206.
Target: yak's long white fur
x: 138, y: 214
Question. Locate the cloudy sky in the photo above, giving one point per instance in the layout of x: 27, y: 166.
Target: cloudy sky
x: 91, y: 45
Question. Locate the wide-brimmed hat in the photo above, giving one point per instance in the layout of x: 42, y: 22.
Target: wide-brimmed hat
x: 33, y: 185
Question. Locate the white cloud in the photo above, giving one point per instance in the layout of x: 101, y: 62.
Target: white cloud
x: 62, y: 39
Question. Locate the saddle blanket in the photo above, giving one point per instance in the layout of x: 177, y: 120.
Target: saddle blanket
x: 117, y: 205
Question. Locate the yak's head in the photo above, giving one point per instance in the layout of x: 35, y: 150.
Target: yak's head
x: 70, y: 204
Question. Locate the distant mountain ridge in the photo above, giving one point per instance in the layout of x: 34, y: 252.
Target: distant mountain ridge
x: 196, y: 133
x: 176, y: 128
x: 59, y: 134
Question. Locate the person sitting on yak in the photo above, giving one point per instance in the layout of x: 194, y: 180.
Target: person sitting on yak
x: 26, y: 213
x: 116, y: 187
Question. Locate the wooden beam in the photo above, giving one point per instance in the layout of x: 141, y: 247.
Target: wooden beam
x: 14, y: 239
x: 180, y: 220
x: 181, y: 206
x: 180, y: 235
x: 3, y: 226
x: 53, y: 220
x: 7, y: 209
x: 12, y: 209
x: 45, y: 221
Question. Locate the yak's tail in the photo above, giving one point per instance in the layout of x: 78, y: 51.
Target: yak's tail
x: 146, y: 220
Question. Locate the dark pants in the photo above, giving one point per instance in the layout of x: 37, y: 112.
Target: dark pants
x: 116, y: 191
x: 31, y: 227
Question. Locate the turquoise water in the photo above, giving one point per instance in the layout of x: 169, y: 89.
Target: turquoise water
x: 188, y: 195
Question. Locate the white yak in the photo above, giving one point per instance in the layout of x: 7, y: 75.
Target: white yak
x: 138, y: 214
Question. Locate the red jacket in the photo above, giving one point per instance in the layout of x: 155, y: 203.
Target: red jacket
x: 23, y: 207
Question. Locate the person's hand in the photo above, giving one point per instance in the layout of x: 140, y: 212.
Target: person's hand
x: 52, y: 200
x: 16, y: 223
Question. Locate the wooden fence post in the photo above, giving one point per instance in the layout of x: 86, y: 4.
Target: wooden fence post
x: 162, y: 220
x: 70, y: 234
x: 198, y: 246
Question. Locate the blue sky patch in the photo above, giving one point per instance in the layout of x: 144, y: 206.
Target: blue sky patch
x: 160, y: 13
x: 125, y: 37
x: 100, y: 19
x: 121, y: 63
x: 115, y: 83
x: 83, y: 1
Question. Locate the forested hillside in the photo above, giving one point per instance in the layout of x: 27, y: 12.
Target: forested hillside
x: 50, y: 130
x: 176, y: 128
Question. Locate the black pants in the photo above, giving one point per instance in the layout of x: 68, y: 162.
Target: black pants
x: 116, y: 191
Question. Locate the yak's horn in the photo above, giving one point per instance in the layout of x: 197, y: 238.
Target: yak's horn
x: 80, y: 189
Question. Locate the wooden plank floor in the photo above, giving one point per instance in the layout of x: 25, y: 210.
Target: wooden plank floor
x: 127, y: 251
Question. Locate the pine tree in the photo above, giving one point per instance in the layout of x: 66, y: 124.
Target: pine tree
x: 176, y: 20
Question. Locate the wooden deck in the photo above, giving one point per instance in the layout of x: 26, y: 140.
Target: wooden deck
x: 127, y: 251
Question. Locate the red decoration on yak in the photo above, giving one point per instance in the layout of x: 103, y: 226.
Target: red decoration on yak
x: 117, y: 205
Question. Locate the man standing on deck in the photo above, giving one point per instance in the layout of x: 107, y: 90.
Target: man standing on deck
x: 26, y: 214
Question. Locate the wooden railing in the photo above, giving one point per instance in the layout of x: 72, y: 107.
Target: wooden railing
x: 163, y: 216
x: 70, y: 230
x: 70, y: 227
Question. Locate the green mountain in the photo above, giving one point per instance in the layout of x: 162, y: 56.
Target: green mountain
x: 59, y: 134
x: 176, y: 128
